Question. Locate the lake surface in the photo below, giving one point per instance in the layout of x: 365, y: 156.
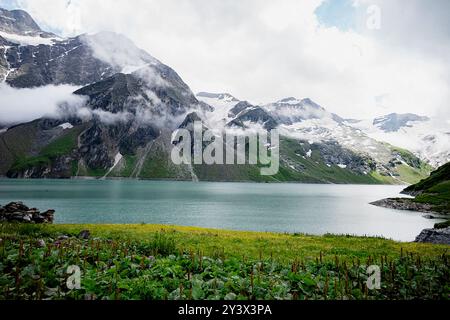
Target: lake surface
x: 302, y: 208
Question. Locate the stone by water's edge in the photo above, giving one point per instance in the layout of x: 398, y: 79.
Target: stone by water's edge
x: 18, y: 212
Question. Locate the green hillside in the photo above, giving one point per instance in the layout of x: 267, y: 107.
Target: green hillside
x: 38, y: 150
x: 434, y: 190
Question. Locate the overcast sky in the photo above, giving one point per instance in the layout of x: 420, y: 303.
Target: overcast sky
x: 263, y: 51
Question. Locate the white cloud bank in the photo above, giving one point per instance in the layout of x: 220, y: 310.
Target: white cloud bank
x: 264, y: 50
x: 21, y: 105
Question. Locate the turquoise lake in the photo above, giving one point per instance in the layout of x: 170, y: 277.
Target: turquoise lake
x: 293, y: 208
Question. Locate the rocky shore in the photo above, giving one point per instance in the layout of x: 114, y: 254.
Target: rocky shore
x: 436, y: 236
x: 18, y: 212
x: 405, y: 204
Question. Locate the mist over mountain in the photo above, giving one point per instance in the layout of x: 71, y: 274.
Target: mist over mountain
x: 119, y: 119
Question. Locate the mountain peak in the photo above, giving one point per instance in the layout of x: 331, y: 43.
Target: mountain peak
x: 218, y: 96
x: 18, y: 22
x: 309, y: 102
x: 297, y: 102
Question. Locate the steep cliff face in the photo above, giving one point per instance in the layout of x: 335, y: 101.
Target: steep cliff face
x: 130, y: 99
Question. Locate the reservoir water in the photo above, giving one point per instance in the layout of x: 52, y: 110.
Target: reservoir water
x: 293, y: 208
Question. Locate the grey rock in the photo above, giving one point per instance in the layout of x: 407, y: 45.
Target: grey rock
x: 436, y: 236
x: 404, y: 204
x: 238, y: 108
x: 19, y: 22
x: 18, y: 212
x: 291, y: 110
x: 219, y: 96
x: 245, y: 112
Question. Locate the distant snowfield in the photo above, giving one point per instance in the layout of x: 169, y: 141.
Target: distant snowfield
x: 429, y: 140
x: 28, y: 40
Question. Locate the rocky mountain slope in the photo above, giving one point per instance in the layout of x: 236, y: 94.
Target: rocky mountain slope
x: 427, y: 138
x: 324, y: 136
x: 130, y: 103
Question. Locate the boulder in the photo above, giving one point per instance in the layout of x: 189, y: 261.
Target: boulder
x: 436, y: 236
x: 18, y: 212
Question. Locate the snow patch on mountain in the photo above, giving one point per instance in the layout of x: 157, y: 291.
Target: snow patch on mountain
x: 222, y: 103
x: 427, y: 139
x: 25, y: 40
x: 66, y: 126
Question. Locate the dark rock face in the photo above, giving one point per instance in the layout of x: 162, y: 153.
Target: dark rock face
x: 436, y: 236
x: 334, y: 154
x: 245, y: 112
x: 128, y: 111
x: 133, y: 111
x: 291, y: 110
x: 69, y: 61
x: 237, y: 109
x: 19, y: 22
x: 189, y: 121
x: 18, y: 212
x: 139, y: 91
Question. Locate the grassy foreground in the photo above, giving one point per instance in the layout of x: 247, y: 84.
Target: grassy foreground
x: 163, y: 262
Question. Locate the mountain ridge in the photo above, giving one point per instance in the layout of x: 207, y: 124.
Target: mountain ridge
x: 131, y: 103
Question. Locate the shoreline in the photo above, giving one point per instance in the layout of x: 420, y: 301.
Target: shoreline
x: 408, y: 204
x: 87, y: 178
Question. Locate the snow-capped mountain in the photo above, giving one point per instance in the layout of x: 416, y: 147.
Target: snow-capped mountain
x: 17, y: 26
x: 292, y: 110
x: 427, y: 138
x: 305, y: 120
x: 129, y: 104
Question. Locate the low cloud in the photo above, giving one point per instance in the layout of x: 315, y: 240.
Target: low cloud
x: 22, y: 105
x: 118, y: 51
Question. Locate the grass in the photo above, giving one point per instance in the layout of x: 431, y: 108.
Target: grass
x: 438, y: 196
x: 439, y: 176
x: 434, y: 190
x: 412, y: 175
x: 127, y: 170
x: 63, y: 145
x: 282, y: 247
x: 161, y: 262
x: 310, y: 170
